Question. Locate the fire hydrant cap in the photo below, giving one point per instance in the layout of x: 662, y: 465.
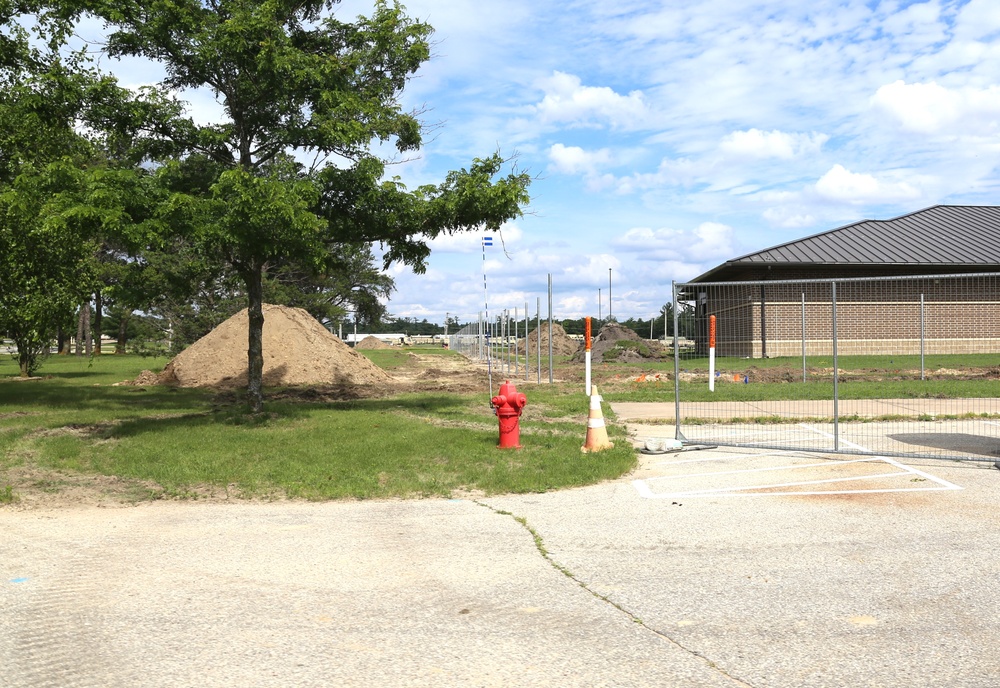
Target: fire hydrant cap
x: 509, y: 400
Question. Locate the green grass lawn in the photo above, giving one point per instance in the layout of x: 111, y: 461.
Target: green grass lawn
x: 387, y: 359
x: 184, y: 442
x: 73, y: 421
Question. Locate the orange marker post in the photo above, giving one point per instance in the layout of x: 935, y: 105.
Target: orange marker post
x: 587, y: 354
x: 711, y: 353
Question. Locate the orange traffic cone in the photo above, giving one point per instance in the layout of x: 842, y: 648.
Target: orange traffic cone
x: 597, y: 433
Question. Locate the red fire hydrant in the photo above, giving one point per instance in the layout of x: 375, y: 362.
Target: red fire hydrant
x: 508, y: 405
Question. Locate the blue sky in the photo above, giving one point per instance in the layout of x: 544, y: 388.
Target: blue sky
x: 667, y: 137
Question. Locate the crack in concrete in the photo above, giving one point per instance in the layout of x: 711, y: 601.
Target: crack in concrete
x: 540, y: 546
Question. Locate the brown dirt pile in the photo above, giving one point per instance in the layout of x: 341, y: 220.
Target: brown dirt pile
x: 562, y: 345
x: 371, y: 343
x: 297, y: 351
x: 633, y: 348
x: 145, y: 379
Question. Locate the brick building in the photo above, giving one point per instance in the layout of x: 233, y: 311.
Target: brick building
x: 928, y: 281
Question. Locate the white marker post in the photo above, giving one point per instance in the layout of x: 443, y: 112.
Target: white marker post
x: 711, y: 353
x: 587, y: 354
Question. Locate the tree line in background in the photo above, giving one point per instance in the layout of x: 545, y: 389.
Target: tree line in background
x: 654, y: 328
x: 121, y: 213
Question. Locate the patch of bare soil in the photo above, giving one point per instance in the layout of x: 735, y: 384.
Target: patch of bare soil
x: 421, y: 373
x: 778, y: 374
x: 38, y: 488
x: 435, y: 372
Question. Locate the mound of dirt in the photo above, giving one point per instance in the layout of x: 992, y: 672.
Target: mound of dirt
x: 371, y: 343
x: 145, y: 379
x: 297, y: 351
x: 562, y: 345
x: 618, y: 343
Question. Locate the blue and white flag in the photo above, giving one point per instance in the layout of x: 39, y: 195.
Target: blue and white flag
x: 487, y: 241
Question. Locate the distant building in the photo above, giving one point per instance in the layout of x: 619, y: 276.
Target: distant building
x: 395, y: 338
x: 960, y: 314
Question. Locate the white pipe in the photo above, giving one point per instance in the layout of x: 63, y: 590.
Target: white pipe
x: 711, y: 369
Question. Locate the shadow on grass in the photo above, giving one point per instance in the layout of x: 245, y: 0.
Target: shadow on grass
x: 47, y: 376
x: 52, y: 395
x: 276, y: 413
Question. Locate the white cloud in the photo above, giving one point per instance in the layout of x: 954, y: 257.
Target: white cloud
x: 978, y: 20
x: 789, y: 218
x: 508, y: 238
x: 929, y: 108
x: 574, y: 305
x: 709, y: 241
x: 575, y: 160
x: 754, y: 143
x: 915, y: 26
x: 842, y: 185
x: 567, y: 101
x: 592, y: 270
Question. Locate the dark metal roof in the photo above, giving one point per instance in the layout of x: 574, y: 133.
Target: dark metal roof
x: 925, y: 241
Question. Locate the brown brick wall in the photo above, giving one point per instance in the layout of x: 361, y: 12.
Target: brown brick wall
x: 960, y: 316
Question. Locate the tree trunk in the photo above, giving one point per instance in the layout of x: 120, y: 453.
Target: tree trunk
x: 88, y: 334
x: 255, y: 351
x: 62, y: 341
x: 98, y: 316
x: 122, y: 335
x: 80, y: 329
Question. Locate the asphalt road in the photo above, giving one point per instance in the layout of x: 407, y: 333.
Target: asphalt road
x: 600, y: 586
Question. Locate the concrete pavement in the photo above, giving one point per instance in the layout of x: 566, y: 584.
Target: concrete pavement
x: 893, y: 588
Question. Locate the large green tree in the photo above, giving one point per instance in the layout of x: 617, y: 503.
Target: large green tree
x: 45, y: 247
x: 348, y: 282
x: 294, y: 79
x: 42, y: 275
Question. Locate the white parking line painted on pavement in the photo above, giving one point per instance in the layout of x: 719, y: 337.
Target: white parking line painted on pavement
x: 842, y: 440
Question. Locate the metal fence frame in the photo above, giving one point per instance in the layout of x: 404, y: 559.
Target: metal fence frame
x: 909, y: 304
x: 495, y: 343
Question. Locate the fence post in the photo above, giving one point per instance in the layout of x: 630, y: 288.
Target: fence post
x: 763, y: 322
x: 836, y: 373
x: 506, y: 337
x: 803, y: 336
x: 550, y: 328
x: 527, y: 324
x: 677, y: 370
x: 922, y: 337
x: 538, y: 339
